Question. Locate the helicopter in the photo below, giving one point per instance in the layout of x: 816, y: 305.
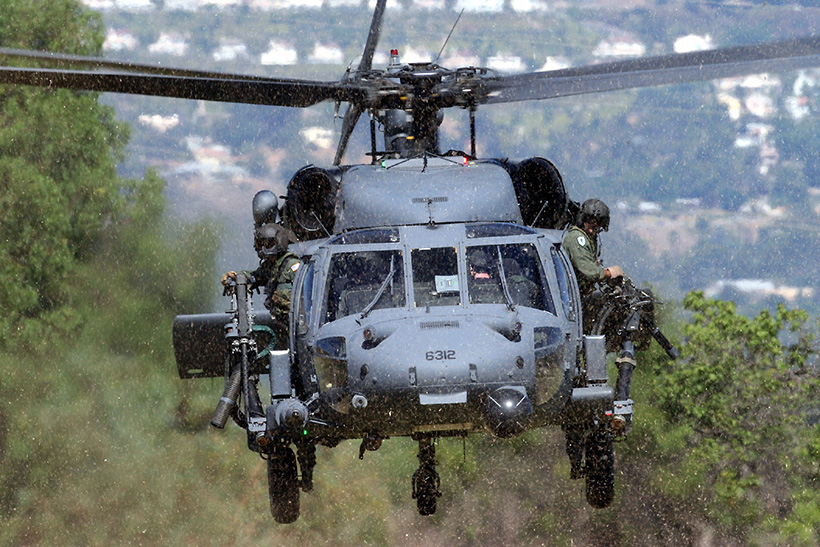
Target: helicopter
x: 434, y: 298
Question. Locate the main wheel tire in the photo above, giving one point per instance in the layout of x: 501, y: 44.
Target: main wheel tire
x: 600, y: 468
x: 426, y: 492
x: 283, y: 486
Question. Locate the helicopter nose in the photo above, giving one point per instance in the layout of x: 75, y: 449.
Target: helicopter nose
x: 509, y: 411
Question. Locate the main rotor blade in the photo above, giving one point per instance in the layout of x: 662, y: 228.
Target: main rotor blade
x: 652, y: 71
x: 373, y: 36
x: 69, y: 61
x: 276, y: 92
x: 354, y: 110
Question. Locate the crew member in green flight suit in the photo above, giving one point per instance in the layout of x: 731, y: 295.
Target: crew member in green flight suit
x: 277, y: 267
x: 582, y: 246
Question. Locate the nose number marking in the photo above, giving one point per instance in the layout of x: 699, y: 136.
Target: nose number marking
x: 440, y: 355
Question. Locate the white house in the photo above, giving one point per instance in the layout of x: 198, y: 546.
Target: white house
x: 758, y: 288
x: 797, y: 106
x: 526, y: 6
x: 804, y: 80
x: 119, y: 40
x: 98, y: 4
x: 391, y: 4
x: 760, y: 81
x: 503, y: 62
x: 319, y: 137
x: 621, y: 47
x: 230, y: 50
x: 326, y: 54
x: 221, y: 3
x: 181, y: 5
x: 760, y: 105
x: 485, y: 6
x: 693, y: 42
x: 461, y: 59
x: 415, y: 55
x: 429, y: 5
x: 555, y: 63
x: 754, y: 136
x: 305, y: 4
x: 169, y: 44
x: 159, y: 122
x: 732, y: 103
x: 278, y: 53
x: 136, y: 5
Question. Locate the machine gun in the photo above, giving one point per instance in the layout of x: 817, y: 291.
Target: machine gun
x: 216, y: 344
x: 239, y: 346
x: 626, y: 317
x: 243, y: 351
x: 627, y: 313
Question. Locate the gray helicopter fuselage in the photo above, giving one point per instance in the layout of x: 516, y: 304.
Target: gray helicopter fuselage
x: 424, y: 191
x: 432, y: 303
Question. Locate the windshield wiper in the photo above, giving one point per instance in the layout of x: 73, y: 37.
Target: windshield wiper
x: 387, y: 281
x: 503, y: 276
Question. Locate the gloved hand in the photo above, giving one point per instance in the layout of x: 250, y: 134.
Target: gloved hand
x: 229, y: 276
x: 613, y: 271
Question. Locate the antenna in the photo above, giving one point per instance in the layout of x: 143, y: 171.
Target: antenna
x: 448, y: 36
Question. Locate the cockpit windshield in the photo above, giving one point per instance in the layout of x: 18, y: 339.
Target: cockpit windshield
x: 435, y: 277
x: 363, y: 281
x: 359, y: 282
x: 507, y: 274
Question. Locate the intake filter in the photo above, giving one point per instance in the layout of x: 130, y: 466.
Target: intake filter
x: 509, y: 411
x: 541, y: 193
x: 311, y: 200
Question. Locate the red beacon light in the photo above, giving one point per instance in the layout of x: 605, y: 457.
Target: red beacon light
x: 394, y: 58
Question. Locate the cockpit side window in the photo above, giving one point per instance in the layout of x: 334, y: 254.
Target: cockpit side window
x: 305, y: 300
x: 563, y: 284
x: 435, y: 277
x: 362, y: 281
x: 507, y: 274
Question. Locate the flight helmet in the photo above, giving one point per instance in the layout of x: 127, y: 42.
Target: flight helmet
x: 265, y: 208
x: 270, y: 240
x: 595, y: 210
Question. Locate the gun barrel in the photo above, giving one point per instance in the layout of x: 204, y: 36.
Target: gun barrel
x: 237, y: 383
x: 662, y: 340
x: 228, y: 400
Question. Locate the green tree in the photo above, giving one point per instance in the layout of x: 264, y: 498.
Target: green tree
x: 84, y: 416
x: 741, y: 394
x: 58, y: 156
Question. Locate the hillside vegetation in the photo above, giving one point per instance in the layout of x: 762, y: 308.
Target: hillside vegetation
x: 101, y: 443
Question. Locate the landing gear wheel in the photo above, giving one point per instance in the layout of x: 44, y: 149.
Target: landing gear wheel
x: 600, y: 468
x: 425, y: 490
x: 283, y: 485
x: 426, y: 481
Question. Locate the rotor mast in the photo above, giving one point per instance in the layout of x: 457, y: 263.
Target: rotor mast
x: 413, y: 130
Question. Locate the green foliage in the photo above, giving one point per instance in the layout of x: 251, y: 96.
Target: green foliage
x: 87, y: 417
x: 797, y: 141
x: 145, y: 269
x: 56, y: 25
x: 58, y: 180
x: 743, y: 390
